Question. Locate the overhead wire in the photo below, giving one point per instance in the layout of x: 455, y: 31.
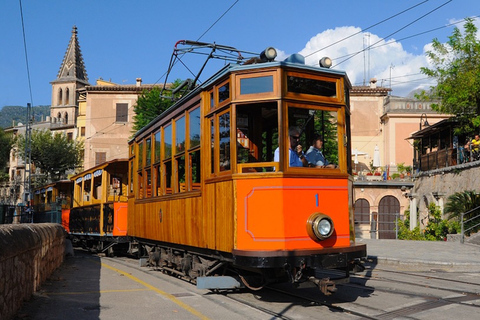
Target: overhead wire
x: 363, y: 30
x: 395, y: 32
x: 26, y: 54
x: 200, y: 37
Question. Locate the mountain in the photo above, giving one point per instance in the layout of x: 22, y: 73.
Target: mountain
x: 12, y: 115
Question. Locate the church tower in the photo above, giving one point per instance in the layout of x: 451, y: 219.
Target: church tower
x: 71, y: 80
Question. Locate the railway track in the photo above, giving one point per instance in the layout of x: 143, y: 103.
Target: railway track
x: 376, y: 293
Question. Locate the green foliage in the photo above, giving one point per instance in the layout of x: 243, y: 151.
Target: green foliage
x: 436, y: 229
x: 6, y: 143
x: 456, y: 67
x: 464, y: 202
x: 12, y: 115
x: 150, y: 105
x: 52, y: 153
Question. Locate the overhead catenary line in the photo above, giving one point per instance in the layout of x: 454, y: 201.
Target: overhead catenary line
x: 363, y: 30
x: 199, y: 38
x: 395, y: 32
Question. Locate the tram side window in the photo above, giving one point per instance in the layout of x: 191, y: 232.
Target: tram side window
x: 167, y: 163
x: 180, y: 144
x: 257, y: 135
x: 194, y: 149
x: 224, y: 133
x: 318, y: 135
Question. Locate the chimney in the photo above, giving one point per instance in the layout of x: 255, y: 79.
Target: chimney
x: 373, y: 83
x: 139, y: 82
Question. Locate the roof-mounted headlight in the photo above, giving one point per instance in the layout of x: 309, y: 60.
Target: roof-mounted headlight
x: 319, y: 226
x: 325, y: 62
x: 268, y: 54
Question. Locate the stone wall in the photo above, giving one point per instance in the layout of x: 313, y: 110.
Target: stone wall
x: 29, y: 253
x: 437, y: 185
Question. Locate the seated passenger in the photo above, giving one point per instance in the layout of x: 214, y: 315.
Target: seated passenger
x: 295, y: 154
x: 315, y: 156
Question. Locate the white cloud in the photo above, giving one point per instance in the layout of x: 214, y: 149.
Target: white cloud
x: 385, y: 60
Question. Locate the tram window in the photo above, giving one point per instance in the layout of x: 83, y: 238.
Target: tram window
x: 140, y: 154
x: 212, y: 100
x: 195, y: 169
x: 158, y: 181
x: 148, y: 184
x: 157, y: 143
x: 140, y: 185
x: 257, y: 135
x: 180, y: 135
x: 97, y: 187
x: 167, y: 141
x: 131, y: 176
x: 168, y: 177
x: 312, y: 86
x: 194, y: 128
x: 148, y: 151
x: 224, y: 92
x: 212, y: 145
x: 256, y: 85
x: 224, y: 133
x: 182, y: 187
x: 315, y: 122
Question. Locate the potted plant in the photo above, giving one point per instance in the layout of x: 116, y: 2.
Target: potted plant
x: 401, y: 170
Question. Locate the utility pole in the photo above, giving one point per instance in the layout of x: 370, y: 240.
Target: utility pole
x: 27, y: 177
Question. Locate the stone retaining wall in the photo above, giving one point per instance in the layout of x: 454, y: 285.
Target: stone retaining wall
x: 29, y: 253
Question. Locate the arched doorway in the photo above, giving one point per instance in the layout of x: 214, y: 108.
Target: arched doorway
x: 362, y: 211
x: 362, y: 217
x: 388, y: 212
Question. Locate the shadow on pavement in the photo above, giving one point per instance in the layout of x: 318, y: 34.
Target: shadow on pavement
x: 72, y: 291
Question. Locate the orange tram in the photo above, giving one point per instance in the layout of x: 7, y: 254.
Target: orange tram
x: 212, y: 191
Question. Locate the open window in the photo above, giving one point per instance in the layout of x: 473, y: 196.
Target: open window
x: 257, y: 137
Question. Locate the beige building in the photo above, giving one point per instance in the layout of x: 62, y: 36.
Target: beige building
x: 109, y: 120
x: 381, y: 126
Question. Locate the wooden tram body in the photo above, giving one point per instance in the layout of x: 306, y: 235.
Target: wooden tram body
x: 52, y: 203
x: 206, y: 195
x: 98, y: 218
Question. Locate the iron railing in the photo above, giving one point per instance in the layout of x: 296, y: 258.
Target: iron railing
x: 472, y: 223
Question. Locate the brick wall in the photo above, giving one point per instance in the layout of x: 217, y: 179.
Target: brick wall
x: 29, y: 253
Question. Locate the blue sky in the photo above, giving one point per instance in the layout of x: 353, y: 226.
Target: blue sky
x: 123, y: 40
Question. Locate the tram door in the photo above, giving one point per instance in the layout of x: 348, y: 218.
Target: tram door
x: 388, y: 212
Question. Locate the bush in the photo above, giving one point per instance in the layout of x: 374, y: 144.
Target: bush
x: 436, y: 229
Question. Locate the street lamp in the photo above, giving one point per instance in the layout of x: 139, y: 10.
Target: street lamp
x: 425, y: 122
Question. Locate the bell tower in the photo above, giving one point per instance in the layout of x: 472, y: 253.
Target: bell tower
x: 71, y: 79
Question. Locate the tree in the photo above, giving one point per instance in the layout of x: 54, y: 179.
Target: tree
x: 463, y: 202
x: 150, y: 105
x: 456, y: 67
x: 54, y: 153
x: 6, y: 143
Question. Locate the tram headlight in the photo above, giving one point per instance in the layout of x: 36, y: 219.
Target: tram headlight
x: 268, y: 54
x: 325, y: 62
x: 319, y: 226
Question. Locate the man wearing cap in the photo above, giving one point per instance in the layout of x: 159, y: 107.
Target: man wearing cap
x: 315, y: 156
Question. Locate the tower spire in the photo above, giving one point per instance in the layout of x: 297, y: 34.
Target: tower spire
x: 73, y: 67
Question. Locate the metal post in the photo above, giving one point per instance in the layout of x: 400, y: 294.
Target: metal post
x: 462, y: 232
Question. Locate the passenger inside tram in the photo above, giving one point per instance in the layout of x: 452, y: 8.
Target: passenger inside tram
x: 295, y: 152
x: 315, y: 156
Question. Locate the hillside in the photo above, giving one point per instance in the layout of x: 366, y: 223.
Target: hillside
x: 9, y: 114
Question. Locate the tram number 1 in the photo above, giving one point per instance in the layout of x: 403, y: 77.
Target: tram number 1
x: 316, y: 199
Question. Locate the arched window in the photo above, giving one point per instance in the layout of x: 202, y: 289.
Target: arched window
x: 59, y: 117
x: 362, y: 211
x: 66, y: 118
x: 67, y: 96
x: 60, y: 97
x: 388, y: 212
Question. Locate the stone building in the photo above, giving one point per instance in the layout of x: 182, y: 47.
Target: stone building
x: 381, y: 126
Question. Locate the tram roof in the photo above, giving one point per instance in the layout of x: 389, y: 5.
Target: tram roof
x: 233, y: 67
